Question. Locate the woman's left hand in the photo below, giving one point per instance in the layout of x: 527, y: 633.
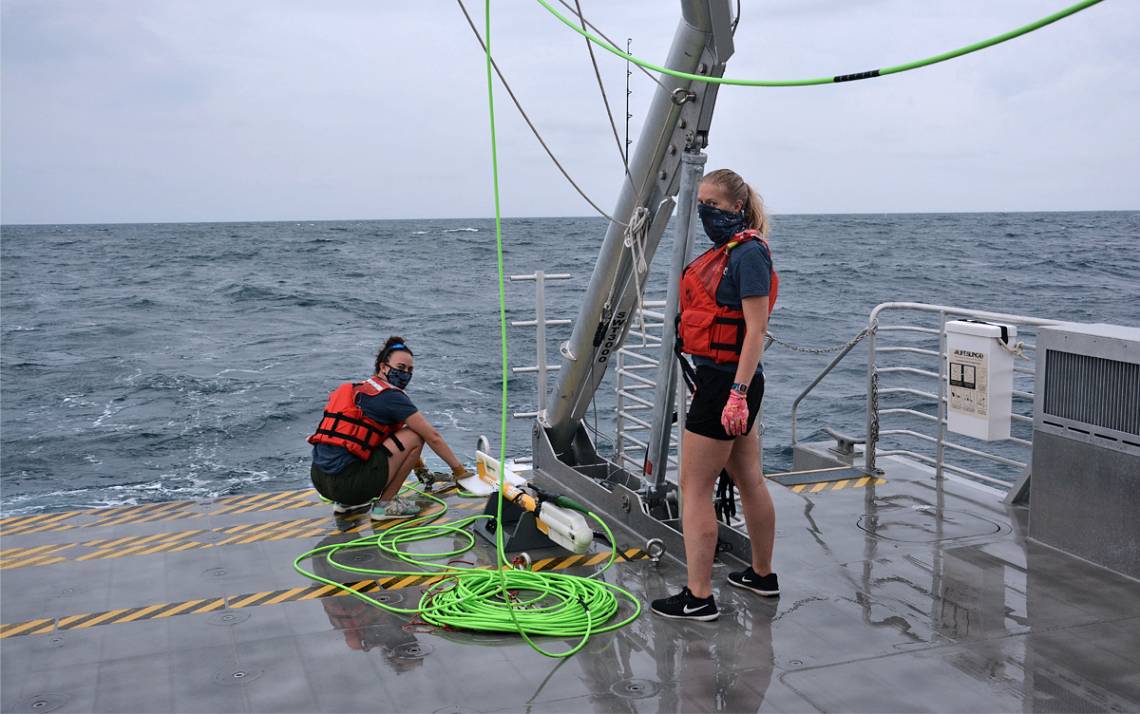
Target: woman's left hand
x: 734, y: 418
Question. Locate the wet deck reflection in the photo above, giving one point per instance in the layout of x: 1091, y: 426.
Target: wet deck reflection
x: 897, y: 597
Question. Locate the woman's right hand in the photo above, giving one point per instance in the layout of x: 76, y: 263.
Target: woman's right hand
x: 419, y: 424
x: 734, y: 418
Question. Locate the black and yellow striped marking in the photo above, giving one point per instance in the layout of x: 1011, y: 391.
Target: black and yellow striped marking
x: 176, y: 542
x: 157, y: 512
x: 861, y: 482
x: 159, y: 611
x: 169, y: 511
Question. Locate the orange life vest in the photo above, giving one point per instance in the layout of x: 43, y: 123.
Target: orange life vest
x: 345, y: 425
x: 706, y: 328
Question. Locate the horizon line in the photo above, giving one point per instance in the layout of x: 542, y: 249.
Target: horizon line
x: 492, y: 218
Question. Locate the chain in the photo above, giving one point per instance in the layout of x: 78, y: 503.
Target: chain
x: 820, y: 350
x: 873, y: 437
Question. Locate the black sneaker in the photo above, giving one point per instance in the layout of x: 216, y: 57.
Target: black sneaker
x: 683, y: 606
x: 766, y: 585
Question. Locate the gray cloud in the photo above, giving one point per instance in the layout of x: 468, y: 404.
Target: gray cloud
x: 281, y: 109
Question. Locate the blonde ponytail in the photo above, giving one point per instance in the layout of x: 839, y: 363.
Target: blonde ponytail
x: 738, y: 190
x: 755, y: 214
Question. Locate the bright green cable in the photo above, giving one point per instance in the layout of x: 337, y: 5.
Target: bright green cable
x: 476, y: 598
x: 473, y: 598
x: 500, y: 553
x: 499, y: 546
x: 1023, y: 30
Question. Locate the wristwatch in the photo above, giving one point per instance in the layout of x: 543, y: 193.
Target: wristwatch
x: 740, y: 387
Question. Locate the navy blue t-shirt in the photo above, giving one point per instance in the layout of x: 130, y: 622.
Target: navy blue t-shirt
x: 748, y: 274
x: 388, y: 407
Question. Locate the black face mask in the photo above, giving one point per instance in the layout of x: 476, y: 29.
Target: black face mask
x: 399, y: 378
x: 720, y: 225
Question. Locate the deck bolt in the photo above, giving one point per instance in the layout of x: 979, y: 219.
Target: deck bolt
x: 655, y: 548
x: 239, y: 675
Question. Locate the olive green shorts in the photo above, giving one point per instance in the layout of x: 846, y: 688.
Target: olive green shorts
x: 358, y: 483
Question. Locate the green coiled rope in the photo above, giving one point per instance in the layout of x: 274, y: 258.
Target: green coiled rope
x: 1023, y: 30
x: 498, y: 599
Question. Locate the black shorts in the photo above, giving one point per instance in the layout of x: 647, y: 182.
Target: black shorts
x: 710, y: 397
x: 358, y: 483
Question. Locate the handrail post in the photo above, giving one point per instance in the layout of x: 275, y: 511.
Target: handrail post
x: 872, y: 398
x: 940, y: 448
x: 540, y: 338
x: 684, y: 225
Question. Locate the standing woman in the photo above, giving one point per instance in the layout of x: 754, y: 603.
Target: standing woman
x: 371, y: 437
x: 727, y: 294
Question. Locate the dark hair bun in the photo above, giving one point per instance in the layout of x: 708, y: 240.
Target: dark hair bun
x: 394, y: 343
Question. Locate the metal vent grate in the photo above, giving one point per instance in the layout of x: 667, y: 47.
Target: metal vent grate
x: 1093, y: 390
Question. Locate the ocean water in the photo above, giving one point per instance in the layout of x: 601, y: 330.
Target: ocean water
x: 150, y: 362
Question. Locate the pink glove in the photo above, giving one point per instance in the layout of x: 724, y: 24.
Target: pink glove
x: 734, y: 418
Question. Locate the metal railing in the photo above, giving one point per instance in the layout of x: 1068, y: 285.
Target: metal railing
x: 920, y: 348
x: 539, y: 323
x: 875, y: 390
x: 638, y: 359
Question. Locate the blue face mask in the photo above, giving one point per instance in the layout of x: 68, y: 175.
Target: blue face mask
x: 398, y: 378
x: 720, y: 225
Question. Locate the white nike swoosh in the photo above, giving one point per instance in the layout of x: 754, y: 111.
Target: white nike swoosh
x: 687, y: 611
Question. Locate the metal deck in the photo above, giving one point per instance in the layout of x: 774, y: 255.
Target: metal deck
x: 895, y: 598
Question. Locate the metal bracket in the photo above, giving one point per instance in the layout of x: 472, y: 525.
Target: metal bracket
x: 681, y: 95
x: 844, y: 443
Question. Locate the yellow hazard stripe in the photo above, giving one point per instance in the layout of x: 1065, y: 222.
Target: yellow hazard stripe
x: 403, y: 582
x: 285, y: 596
x: 839, y: 485
x: 23, y: 627
x: 258, y: 503
x: 152, y: 512
x: 37, y: 520
x: 38, y: 550
x: 270, y: 597
x: 178, y: 541
x: 265, y: 504
x: 319, y: 592
x: 32, y: 562
x: 599, y: 558
x: 139, y: 614
x: 177, y: 609
x: 99, y: 618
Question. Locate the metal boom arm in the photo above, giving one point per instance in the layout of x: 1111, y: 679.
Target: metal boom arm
x: 678, y: 120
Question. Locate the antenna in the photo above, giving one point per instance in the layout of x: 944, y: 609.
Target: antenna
x: 628, y: 72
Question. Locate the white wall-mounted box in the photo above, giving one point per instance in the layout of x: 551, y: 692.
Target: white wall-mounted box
x: 979, y: 378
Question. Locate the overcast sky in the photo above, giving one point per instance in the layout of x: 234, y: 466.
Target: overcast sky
x: 204, y: 110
